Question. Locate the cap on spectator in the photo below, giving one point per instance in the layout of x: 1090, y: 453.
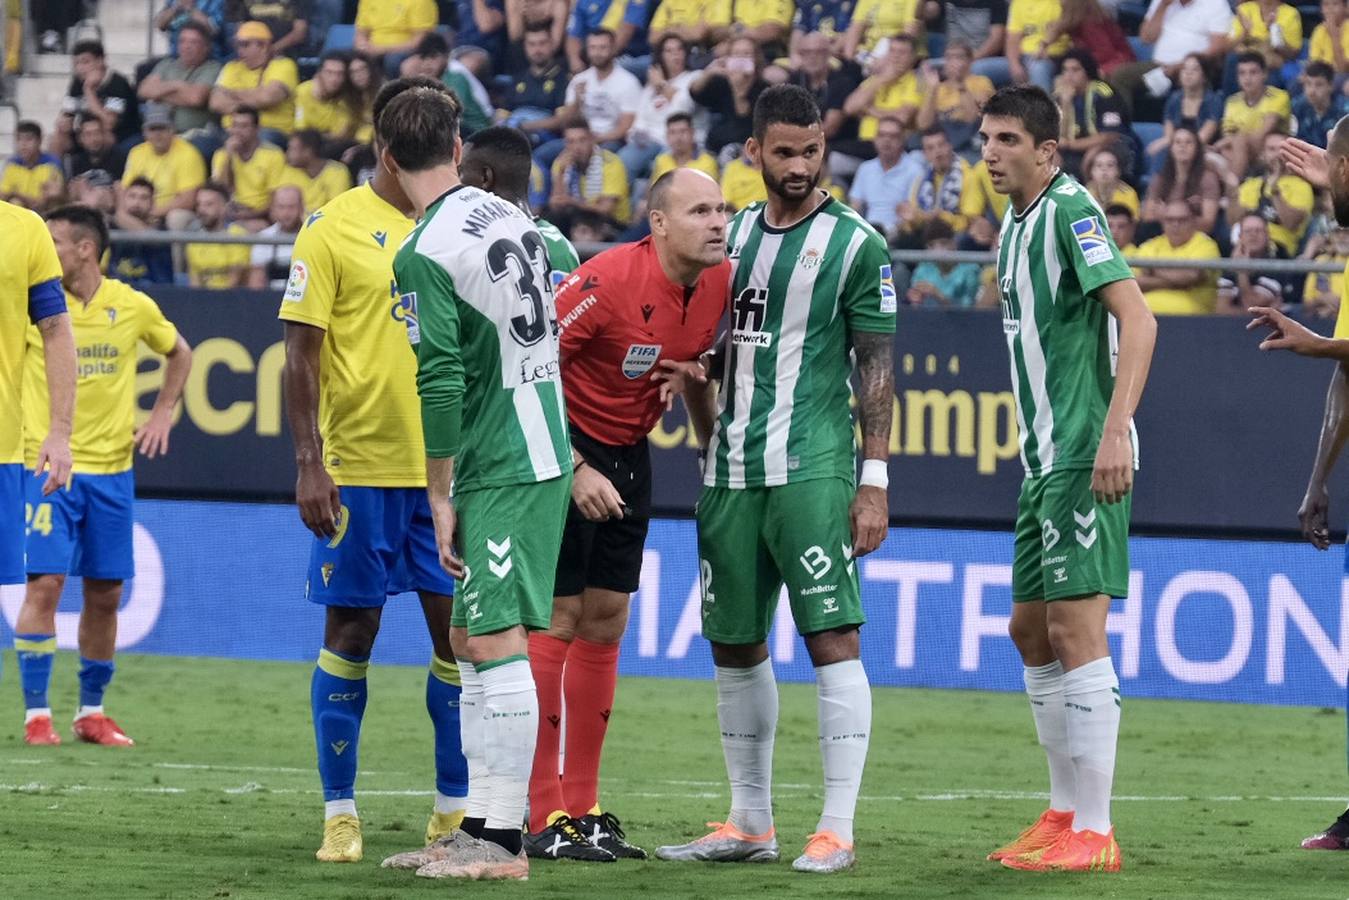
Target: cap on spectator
x: 99, y: 178
x: 157, y: 115
x: 253, y: 31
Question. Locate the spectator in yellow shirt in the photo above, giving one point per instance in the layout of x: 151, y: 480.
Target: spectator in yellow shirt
x: 683, y: 150
x: 216, y: 266
x: 1035, y: 39
x: 939, y: 193
x: 172, y: 165
x: 1123, y: 226
x: 1179, y: 292
x: 318, y: 179
x: 391, y: 29
x: 1106, y: 184
x: 258, y: 79
x: 1282, y: 199
x: 952, y: 97
x: 32, y: 178
x: 1251, y: 113
x: 875, y: 20
x: 321, y: 103
x: 1270, y: 28
x: 702, y: 23
x: 1322, y: 291
x: 742, y: 183
x: 768, y: 22
x: 587, y: 177
x: 892, y: 91
x: 249, y: 169
x: 1330, y: 39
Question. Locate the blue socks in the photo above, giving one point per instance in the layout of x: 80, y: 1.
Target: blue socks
x: 337, y: 697
x: 442, y: 703
x: 94, y: 677
x: 36, y: 653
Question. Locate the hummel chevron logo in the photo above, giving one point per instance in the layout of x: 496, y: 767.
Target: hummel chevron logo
x: 339, y: 746
x: 1086, y: 528
x: 500, y: 561
x: 847, y: 555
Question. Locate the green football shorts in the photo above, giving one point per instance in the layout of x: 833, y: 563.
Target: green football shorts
x: 509, y: 537
x: 1068, y: 546
x: 752, y: 540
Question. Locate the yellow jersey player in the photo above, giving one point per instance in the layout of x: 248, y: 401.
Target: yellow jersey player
x: 30, y: 283
x: 86, y: 528
x: 351, y: 400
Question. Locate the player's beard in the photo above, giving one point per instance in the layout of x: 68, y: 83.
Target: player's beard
x: 797, y: 191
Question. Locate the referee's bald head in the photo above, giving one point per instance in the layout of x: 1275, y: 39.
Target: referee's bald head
x: 658, y: 198
x: 687, y: 214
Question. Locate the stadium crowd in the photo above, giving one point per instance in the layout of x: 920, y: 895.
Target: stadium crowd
x: 1173, y: 114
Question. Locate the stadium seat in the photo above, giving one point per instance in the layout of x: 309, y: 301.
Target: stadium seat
x: 1142, y: 50
x: 1147, y: 132
x: 340, y: 37
x: 936, y: 46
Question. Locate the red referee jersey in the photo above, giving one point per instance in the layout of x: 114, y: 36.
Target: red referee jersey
x: 621, y: 315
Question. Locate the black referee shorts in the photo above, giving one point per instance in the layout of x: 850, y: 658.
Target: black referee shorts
x: 607, y: 555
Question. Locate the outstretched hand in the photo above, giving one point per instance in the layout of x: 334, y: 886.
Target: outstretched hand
x: 1307, y: 161
x: 1284, y: 333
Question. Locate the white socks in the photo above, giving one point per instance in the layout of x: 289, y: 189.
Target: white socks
x: 445, y: 804
x: 1092, y: 704
x: 339, y: 807
x: 845, y: 731
x: 747, y: 711
x: 89, y: 711
x: 510, y: 726
x: 1044, y: 685
x: 471, y: 739
x: 31, y: 714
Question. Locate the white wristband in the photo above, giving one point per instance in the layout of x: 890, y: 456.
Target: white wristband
x: 875, y: 473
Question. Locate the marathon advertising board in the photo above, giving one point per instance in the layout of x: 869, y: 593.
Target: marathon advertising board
x: 1227, y: 433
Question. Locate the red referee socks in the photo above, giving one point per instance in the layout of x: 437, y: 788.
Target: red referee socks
x: 588, y: 685
x: 547, y: 655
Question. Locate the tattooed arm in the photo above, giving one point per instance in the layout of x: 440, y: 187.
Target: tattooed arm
x: 870, y: 513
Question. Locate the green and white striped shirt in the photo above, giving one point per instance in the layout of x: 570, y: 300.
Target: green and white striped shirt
x: 476, y: 272
x: 797, y: 293
x: 1063, y: 343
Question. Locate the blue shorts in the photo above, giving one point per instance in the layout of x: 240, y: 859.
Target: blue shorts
x: 84, y: 528
x: 11, y: 523
x: 385, y: 545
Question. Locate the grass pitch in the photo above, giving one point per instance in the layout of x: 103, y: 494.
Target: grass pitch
x: 220, y: 798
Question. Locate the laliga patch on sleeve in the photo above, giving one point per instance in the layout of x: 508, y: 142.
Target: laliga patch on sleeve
x: 1112, y: 120
x: 889, y: 300
x: 1092, y: 240
x: 297, y: 282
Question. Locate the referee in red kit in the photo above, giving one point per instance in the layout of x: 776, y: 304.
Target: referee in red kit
x: 634, y: 321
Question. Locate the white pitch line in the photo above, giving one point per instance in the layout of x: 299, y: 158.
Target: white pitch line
x: 955, y: 796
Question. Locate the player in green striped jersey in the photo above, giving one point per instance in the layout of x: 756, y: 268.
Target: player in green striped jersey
x: 1080, y: 337
x: 496, y: 161
x: 811, y: 288
x: 476, y: 271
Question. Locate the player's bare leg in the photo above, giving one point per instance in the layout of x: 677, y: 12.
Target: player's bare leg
x: 1091, y: 703
x: 339, y: 693
x: 845, y: 732
x: 1043, y: 677
x: 35, y: 646
x: 443, y: 705
x: 747, y: 711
